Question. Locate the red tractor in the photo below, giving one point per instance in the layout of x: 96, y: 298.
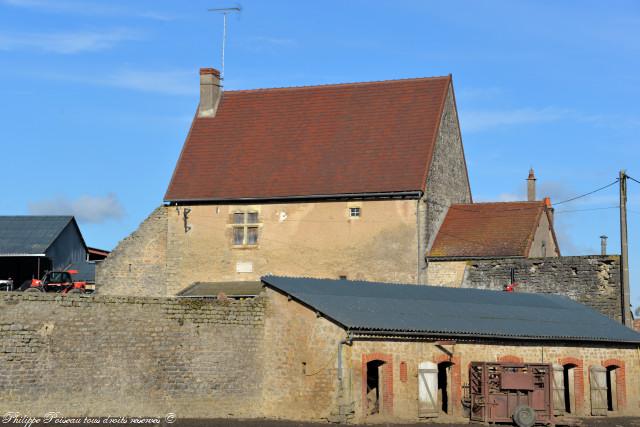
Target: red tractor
x: 57, y: 281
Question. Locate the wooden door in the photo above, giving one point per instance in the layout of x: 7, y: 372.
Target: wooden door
x: 427, y: 390
x: 598, y: 383
x: 557, y: 387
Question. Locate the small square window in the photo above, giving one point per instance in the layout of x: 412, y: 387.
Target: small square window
x: 354, y: 212
x: 252, y: 235
x: 238, y: 235
x: 238, y: 218
x: 252, y: 218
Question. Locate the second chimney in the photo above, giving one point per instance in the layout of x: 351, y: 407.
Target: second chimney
x: 531, y: 186
x: 210, y: 92
x: 603, y: 245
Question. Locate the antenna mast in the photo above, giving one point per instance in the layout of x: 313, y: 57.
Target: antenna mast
x: 225, y: 11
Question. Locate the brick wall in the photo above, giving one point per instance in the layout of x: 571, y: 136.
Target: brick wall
x: 137, y: 266
x: 591, y: 280
x: 124, y: 356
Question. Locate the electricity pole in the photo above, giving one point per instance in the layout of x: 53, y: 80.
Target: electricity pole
x: 624, y: 253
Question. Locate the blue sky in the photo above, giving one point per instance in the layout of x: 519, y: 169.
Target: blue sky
x: 97, y: 96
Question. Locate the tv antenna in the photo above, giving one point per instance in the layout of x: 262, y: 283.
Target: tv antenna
x: 225, y: 11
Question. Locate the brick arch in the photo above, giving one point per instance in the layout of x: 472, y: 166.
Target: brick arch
x: 578, y: 379
x: 509, y: 358
x: 456, y: 380
x: 387, y: 397
x: 621, y: 380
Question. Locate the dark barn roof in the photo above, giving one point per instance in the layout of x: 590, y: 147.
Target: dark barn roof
x: 30, y: 235
x: 494, y: 229
x: 313, y: 141
x: 367, y: 307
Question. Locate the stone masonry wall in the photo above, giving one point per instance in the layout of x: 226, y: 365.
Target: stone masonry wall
x: 591, y: 280
x: 447, y: 181
x: 137, y: 266
x: 130, y: 356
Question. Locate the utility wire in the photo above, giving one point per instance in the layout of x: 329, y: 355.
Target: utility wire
x: 632, y: 178
x: 587, y: 194
x: 589, y: 209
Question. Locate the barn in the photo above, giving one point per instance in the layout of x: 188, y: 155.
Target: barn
x: 406, y: 352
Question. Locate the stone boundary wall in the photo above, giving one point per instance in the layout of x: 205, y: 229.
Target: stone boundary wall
x: 590, y: 280
x: 137, y: 266
x: 130, y: 356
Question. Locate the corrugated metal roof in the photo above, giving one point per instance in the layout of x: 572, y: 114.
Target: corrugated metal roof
x: 454, y: 312
x: 230, y: 289
x: 29, y: 235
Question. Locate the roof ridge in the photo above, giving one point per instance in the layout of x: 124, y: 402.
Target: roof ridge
x: 541, y: 202
x: 332, y: 85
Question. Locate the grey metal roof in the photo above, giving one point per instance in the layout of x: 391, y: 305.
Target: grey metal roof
x: 230, y: 289
x: 367, y: 307
x: 29, y: 235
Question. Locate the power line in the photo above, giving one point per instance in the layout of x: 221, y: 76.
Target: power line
x: 586, y: 194
x: 632, y: 178
x: 589, y: 209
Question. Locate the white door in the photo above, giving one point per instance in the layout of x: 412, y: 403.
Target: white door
x: 558, y: 390
x: 598, y: 383
x: 427, y: 389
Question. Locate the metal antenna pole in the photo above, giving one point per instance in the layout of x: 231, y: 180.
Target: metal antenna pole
x: 224, y: 11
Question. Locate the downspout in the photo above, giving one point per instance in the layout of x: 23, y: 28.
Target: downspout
x: 418, y: 235
x: 342, y: 413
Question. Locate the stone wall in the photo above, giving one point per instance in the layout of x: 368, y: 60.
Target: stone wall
x: 137, y: 266
x: 591, y: 280
x: 126, y: 356
x: 447, y: 181
x: 401, y: 391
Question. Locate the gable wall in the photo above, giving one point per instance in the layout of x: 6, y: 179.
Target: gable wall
x: 543, y: 244
x: 447, y: 181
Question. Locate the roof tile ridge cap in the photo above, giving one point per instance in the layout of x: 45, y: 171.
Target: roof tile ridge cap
x: 332, y: 85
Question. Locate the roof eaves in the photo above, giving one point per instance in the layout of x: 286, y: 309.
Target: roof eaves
x: 411, y: 194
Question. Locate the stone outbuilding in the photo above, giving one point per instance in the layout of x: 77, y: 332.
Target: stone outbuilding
x: 364, y: 351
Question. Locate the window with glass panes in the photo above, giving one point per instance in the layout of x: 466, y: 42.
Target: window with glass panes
x: 245, y: 228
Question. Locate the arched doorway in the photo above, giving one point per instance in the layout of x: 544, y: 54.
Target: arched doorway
x: 612, y: 388
x: 444, y: 387
x: 375, y: 383
x: 569, y: 383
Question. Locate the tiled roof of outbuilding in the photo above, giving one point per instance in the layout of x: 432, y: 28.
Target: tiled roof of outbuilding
x: 488, y: 229
x: 370, y: 308
x: 330, y: 140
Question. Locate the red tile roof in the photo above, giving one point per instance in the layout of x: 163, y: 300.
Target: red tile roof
x: 340, y: 139
x: 488, y: 229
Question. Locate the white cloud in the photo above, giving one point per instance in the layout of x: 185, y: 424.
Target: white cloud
x: 478, y: 121
x: 169, y: 82
x: 88, y: 209
x: 66, y: 42
x: 86, y: 8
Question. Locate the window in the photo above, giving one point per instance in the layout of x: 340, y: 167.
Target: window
x: 354, y: 212
x: 245, y: 228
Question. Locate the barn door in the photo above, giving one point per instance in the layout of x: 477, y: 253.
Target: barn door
x: 427, y: 390
x: 558, y: 390
x: 598, y: 381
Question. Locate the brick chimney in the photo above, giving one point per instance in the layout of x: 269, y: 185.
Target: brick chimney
x: 210, y: 92
x: 531, y: 186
